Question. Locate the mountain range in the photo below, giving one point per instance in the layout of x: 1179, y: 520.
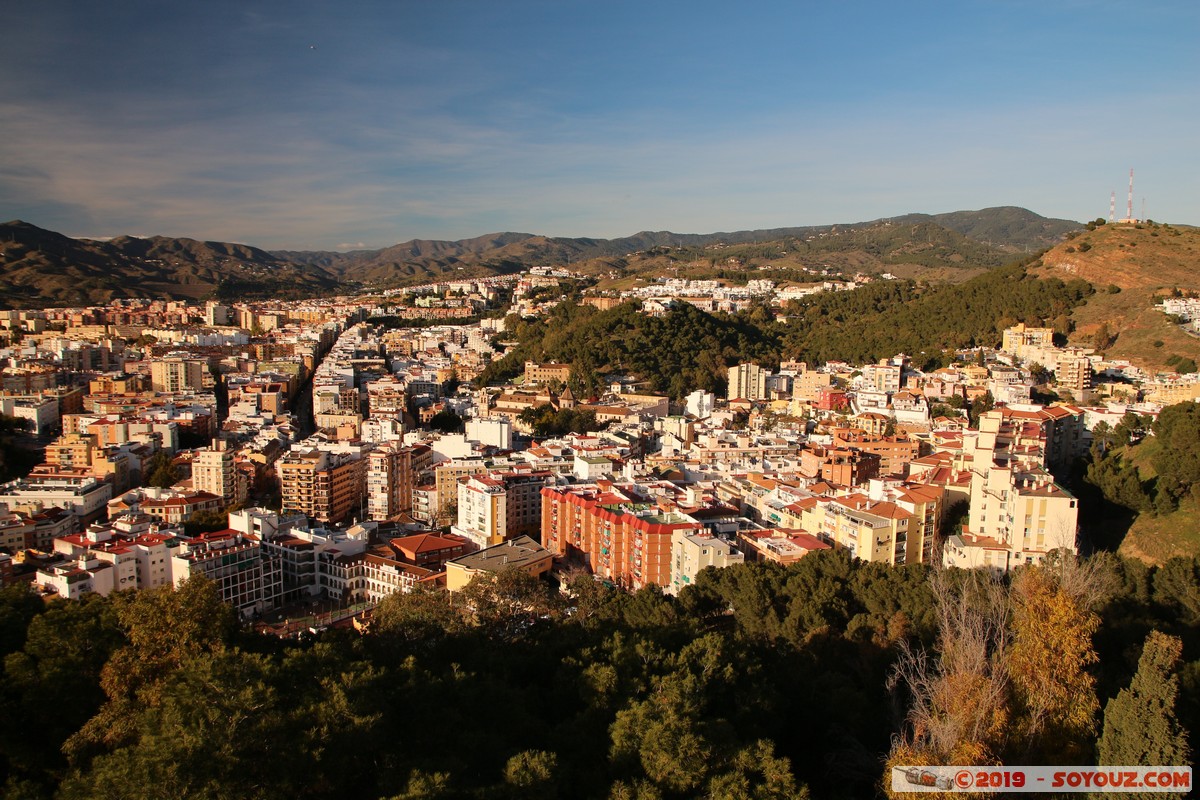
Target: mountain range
x: 45, y: 268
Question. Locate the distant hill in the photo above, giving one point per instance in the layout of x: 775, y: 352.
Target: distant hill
x: 1007, y: 227
x: 979, y: 239
x: 42, y: 268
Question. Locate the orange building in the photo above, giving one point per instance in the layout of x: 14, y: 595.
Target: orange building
x: 622, y: 533
x: 325, y: 486
x: 895, y: 452
x: 839, y: 465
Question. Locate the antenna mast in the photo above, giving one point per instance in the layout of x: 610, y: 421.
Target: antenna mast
x: 1112, y: 207
x: 1130, y: 215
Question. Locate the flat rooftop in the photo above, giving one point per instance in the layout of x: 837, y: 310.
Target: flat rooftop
x: 517, y: 552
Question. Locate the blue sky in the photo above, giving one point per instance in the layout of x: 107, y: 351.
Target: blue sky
x: 322, y: 125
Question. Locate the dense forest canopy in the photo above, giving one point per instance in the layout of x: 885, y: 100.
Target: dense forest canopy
x: 688, y: 349
x: 759, y: 681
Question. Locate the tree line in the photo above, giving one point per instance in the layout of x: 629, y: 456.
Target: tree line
x: 757, y: 681
x: 1169, y: 445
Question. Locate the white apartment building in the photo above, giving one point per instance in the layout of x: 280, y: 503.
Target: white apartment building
x: 213, y: 471
x: 498, y: 506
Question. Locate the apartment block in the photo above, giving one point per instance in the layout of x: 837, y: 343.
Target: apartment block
x: 1018, y: 513
x: 324, y: 485
x: 1073, y: 372
x: 875, y: 532
x: 843, y: 466
x: 75, y: 491
x: 747, y: 382
x: 85, y: 575
x: 214, y: 471
x: 692, y: 552
x: 133, y: 546
x: 180, y: 375
x: 496, y: 506
x: 895, y: 452
x: 389, y: 481
x: 883, y: 377
x: 235, y: 561
x: 620, y: 531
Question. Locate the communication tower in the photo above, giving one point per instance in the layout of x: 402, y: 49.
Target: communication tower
x: 1129, y: 216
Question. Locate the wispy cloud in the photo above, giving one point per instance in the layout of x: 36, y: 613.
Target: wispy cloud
x: 448, y: 131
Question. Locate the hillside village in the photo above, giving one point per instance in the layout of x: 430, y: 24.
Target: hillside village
x: 301, y: 452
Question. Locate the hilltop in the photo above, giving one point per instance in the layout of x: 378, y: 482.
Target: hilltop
x: 1006, y: 227
x: 1143, y: 255
x: 1132, y: 267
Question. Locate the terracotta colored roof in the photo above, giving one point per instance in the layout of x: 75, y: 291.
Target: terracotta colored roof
x: 423, y: 543
x: 808, y: 541
x: 889, y: 510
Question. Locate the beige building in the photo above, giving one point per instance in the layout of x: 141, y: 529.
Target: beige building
x: 180, y: 375
x: 520, y: 553
x: 892, y: 525
x: 808, y: 384
x: 1018, y: 339
x: 213, y: 471
x: 747, y: 382
x: 1073, y: 372
x: 692, y: 552
x: 883, y: 377
x: 876, y: 532
x: 1018, y: 513
x: 545, y: 373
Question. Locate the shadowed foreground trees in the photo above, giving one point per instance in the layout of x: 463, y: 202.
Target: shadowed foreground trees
x: 1012, y: 681
x: 759, y: 681
x: 1140, y: 724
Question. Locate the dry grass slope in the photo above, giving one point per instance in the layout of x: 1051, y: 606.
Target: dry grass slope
x: 1129, y: 256
x: 1143, y: 261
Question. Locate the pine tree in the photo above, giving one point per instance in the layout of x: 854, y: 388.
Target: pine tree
x: 1140, y: 726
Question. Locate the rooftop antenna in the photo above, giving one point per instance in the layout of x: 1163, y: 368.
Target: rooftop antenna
x: 1130, y: 216
x: 1112, y: 207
